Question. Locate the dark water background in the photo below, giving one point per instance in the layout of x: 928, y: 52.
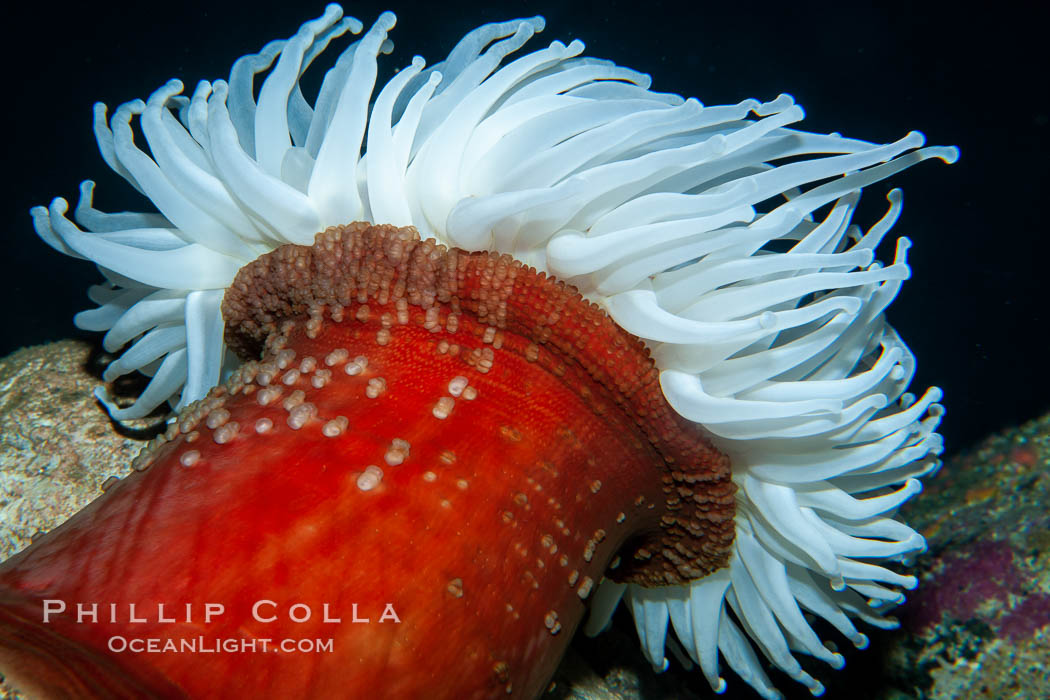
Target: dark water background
x: 974, y: 312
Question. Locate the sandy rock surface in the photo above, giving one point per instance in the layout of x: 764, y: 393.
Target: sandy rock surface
x: 57, y: 444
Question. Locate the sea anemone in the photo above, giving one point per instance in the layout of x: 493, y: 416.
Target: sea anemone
x: 717, y: 235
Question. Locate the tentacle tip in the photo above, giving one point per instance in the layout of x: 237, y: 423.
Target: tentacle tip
x: 103, y: 397
x: 750, y: 104
x: 782, y: 102
x: 718, y: 143
x: 591, y: 630
x: 860, y: 641
x: 915, y: 138
x: 876, y: 603
x: 353, y: 25
x: 950, y: 154
x: 837, y: 662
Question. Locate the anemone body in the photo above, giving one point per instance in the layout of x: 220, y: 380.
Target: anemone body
x: 761, y: 302
x: 411, y: 494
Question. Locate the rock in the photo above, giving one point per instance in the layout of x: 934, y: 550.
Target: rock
x: 977, y: 626
x: 57, y: 444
